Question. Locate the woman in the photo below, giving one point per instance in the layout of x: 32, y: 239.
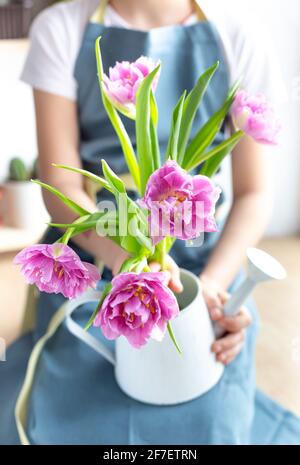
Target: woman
x: 73, y: 129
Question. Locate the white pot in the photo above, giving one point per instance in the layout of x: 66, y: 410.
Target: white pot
x: 157, y: 373
x: 23, y: 206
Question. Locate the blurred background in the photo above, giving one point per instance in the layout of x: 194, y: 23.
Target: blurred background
x: 22, y: 215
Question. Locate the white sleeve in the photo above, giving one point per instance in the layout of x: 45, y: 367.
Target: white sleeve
x: 50, y: 62
x: 252, y: 58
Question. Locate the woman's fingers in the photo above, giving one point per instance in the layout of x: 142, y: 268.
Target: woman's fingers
x: 229, y: 346
x: 228, y: 342
x: 214, y: 305
x: 175, y: 284
x: 229, y: 355
x: 120, y: 256
x: 215, y: 312
x: 172, y: 272
x: 234, y: 324
x: 213, y: 298
x: 224, y: 296
x: 154, y: 267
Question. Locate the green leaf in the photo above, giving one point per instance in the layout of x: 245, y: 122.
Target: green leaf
x: 172, y: 149
x: 208, y: 132
x: 87, y: 174
x: 225, y: 147
x: 171, y: 334
x: 142, y: 265
x: 70, y: 230
x: 117, y: 187
x: 153, y: 108
x: 135, y: 264
x: 153, y: 131
x: 135, y: 214
x: 105, y: 292
x: 217, y: 155
x: 68, y: 202
x: 113, y: 238
x: 130, y: 244
x: 144, y: 240
x: 125, y: 142
x: 161, y: 253
x: 116, y: 121
x: 154, y: 146
x: 128, y: 265
x: 91, y: 219
x: 191, y: 104
x: 114, y: 181
x: 143, y: 129
x: 170, y: 241
x: 86, y: 226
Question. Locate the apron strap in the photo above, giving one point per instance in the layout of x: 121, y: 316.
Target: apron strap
x: 63, y: 313
x: 199, y: 12
x: 99, y: 14
x: 21, y: 408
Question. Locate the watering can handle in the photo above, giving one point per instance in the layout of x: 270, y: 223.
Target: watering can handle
x: 231, y: 308
x: 237, y: 299
x: 80, y: 333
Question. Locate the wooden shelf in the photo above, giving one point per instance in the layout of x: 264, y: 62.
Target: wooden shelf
x: 12, y: 239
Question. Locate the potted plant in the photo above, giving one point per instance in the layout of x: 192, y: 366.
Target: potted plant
x: 162, y: 340
x: 23, y: 205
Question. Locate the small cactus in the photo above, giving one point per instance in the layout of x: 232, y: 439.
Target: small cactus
x: 18, y: 170
x: 35, y: 169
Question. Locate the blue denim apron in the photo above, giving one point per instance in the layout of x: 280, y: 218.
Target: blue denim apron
x: 74, y: 397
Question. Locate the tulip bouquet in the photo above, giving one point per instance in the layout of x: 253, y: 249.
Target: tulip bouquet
x: 177, y: 199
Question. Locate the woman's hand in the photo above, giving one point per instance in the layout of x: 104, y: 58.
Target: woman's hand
x: 118, y: 257
x: 172, y: 272
x: 228, y: 346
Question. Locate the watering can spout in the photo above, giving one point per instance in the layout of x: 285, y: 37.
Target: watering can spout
x: 261, y: 267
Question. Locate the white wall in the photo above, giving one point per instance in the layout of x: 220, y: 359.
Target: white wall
x: 17, y: 128
x: 283, y: 19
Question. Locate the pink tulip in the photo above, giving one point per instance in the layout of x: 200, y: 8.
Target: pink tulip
x: 254, y: 116
x: 180, y: 205
x: 56, y: 268
x: 124, y: 79
x: 138, y: 307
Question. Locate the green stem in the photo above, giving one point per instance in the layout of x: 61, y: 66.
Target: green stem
x: 70, y: 232
x: 163, y: 256
x: 160, y: 256
x: 117, y: 124
x: 67, y: 236
x: 173, y: 339
x: 161, y: 250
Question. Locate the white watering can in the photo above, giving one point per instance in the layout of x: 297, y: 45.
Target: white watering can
x: 156, y: 373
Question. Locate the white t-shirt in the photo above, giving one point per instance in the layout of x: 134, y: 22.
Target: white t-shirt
x: 57, y: 32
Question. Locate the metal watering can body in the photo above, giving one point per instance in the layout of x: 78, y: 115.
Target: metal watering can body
x: 157, y: 373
